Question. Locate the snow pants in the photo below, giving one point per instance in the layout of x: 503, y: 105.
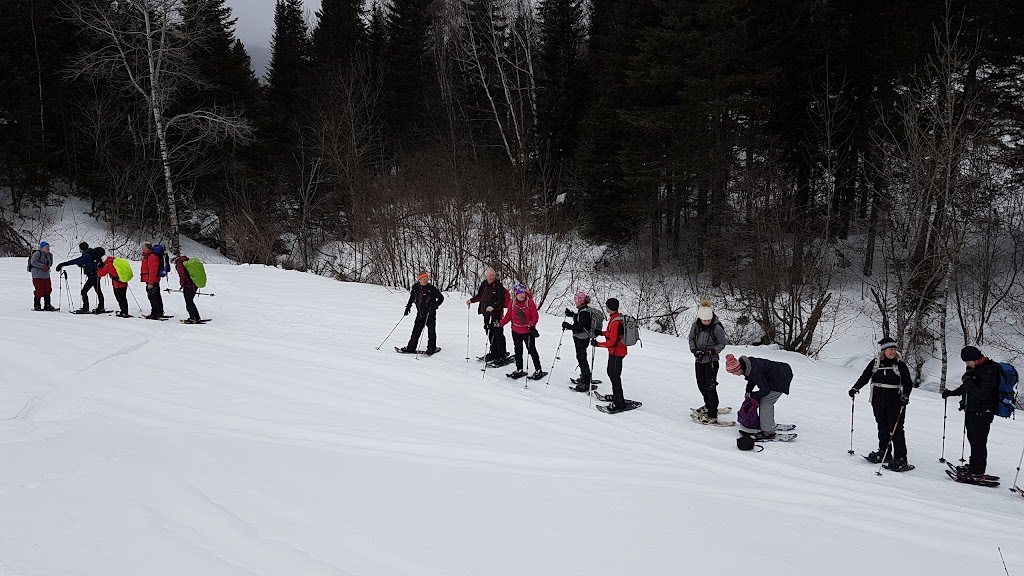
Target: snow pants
x: 92, y: 283
x: 707, y: 383
x: 42, y: 288
x: 156, y: 302
x: 767, y: 411
x: 190, y: 302
x: 496, y: 343
x: 121, y: 295
x: 531, y: 347
x: 978, y: 427
x: 615, y: 375
x: 582, y: 345
x: 886, y: 417
x: 429, y: 320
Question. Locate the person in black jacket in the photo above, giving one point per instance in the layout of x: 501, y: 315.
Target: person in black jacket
x: 772, y: 380
x: 88, y: 262
x: 891, y: 384
x: 980, y: 392
x: 586, y: 325
x: 492, y: 299
x: 426, y: 298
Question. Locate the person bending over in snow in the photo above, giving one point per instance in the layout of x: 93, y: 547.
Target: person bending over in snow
x: 523, y: 315
x: 980, y: 392
x: 39, y: 265
x: 427, y: 298
x: 188, y: 289
x: 891, y: 384
x: 492, y: 299
x: 120, y: 288
x: 87, y: 262
x: 617, y: 351
x: 772, y: 380
x: 707, y: 341
x: 586, y: 325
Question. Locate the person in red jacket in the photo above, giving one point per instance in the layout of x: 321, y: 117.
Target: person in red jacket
x: 616, y: 352
x: 120, y: 288
x: 188, y: 288
x: 150, y: 275
x: 523, y: 315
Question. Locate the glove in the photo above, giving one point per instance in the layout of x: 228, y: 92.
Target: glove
x: 697, y: 354
x: 945, y: 394
x: 598, y: 332
x: 593, y: 342
x: 59, y: 267
x: 407, y: 309
x: 905, y: 400
x: 566, y: 326
x: 469, y: 303
x: 534, y: 333
x: 569, y: 313
x: 854, y: 392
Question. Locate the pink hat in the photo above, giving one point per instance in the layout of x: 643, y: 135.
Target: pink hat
x: 580, y: 298
x: 732, y: 365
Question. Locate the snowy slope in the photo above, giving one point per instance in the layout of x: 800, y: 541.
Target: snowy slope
x: 276, y: 440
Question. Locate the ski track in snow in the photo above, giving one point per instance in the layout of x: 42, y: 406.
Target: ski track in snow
x: 277, y: 440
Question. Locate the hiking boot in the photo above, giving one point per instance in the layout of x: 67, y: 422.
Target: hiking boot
x: 581, y: 387
x: 762, y: 435
x: 517, y: 374
x: 433, y: 350
x: 538, y: 374
x: 899, y: 465
x: 189, y: 321
x: 49, y: 308
x: 37, y: 307
x: 708, y: 421
x: 702, y: 411
x: 99, y: 311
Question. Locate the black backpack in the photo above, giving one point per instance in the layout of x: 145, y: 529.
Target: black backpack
x: 29, y: 267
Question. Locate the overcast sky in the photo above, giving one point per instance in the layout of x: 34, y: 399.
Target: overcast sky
x: 256, y: 25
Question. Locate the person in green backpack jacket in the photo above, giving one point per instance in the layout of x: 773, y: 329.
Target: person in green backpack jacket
x: 188, y: 288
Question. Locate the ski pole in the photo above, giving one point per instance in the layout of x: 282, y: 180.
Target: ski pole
x: 486, y: 361
x: 60, y: 291
x: 378, y: 347
x: 468, y: 320
x: 593, y: 355
x: 853, y: 405
x: 71, y: 301
x: 945, y: 406
x: 557, y: 351
x: 529, y: 356
x: 132, y: 292
x: 197, y: 292
x: 1019, y: 462
x: 963, y: 442
x: 891, y: 434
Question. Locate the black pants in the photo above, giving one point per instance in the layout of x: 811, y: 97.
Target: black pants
x: 531, y: 347
x: 156, y: 302
x: 429, y: 320
x: 190, y: 302
x: 707, y: 383
x: 92, y: 283
x: 978, y: 426
x: 121, y: 294
x: 886, y: 417
x: 615, y: 375
x: 496, y: 342
x: 582, y: 345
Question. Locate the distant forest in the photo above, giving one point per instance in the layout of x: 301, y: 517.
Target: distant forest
x: 765, y: 147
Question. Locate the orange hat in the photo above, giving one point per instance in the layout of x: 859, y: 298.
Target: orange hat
x: 422, y: 276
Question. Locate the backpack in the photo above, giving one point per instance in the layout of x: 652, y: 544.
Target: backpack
x: 165, y: 261
x: 748, y: 416
x: 1008, y: 378
x: 29, y: 267
x: 747, y: 443
x: 123, y: 269
x: 196, y: 271
x: 630, y: 334
x: 597, y: 318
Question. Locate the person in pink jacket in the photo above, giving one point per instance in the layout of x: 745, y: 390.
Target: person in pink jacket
x: 522, y: 313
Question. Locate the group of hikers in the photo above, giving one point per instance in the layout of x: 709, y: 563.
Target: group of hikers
x: 983, y: 391
x: 95, y: 265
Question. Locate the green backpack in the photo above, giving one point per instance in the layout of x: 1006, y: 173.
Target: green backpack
x: 123, y: 269
x: 196, y: 272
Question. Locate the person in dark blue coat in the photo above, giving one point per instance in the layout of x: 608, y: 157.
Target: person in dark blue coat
x: 88, y: 263
x: 772, y: 380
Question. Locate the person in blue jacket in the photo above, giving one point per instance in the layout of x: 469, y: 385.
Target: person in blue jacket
x: 772, y: 380
x: 88, y: 263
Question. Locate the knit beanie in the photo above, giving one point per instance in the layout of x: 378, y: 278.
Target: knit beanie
x: 83, y: 246
x: 886, y: 343
x: 422, y: 276
x: 705, y: 312
x: 733, y: 366
x: 971, y: 354
x: 612, y: 304
x: 43, y: 244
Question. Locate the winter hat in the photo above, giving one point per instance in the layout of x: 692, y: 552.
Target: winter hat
x: 705, y: 312
x: 518, y: 289
x: 612, y: 304
x: 733, y: 366
x: 422, y: 276
x: 887, y: 343
x: 83, y: 246
x: 581, y: 298
x: 970, y: 353
x: 43, y: 244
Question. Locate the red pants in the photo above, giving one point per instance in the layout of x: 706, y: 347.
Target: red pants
x: 42, y: 286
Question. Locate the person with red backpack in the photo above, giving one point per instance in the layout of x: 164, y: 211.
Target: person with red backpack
x: 189, y: 289
x: 617, y: 351
x: 980, y: 392
x: 150, y: 275
x: 523, y: 315
x: 120, y: 288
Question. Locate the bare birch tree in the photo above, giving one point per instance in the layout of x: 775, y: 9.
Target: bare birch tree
x: 140, y: 46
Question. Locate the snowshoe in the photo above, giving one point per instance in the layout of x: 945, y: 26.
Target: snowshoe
x: 583, y: 388
x: 49, y: 308
x: 706, y: 421
x: 516, y: 375
x: 124, y: 315
x: 1017, y: 490
x: 769, y: 436
x: 82, y: 311
x: 899, y: 465
x: 579, y: 381
x: 966, y: 471
x: 404, y: 350
x: 704, y: 410
x: 612, y: 409
x: 785, y: 427
x: 501, y: 362
x: 971, y: 479
x: 157, y: 318
x: 431, y: 351
x: 100, y: 311
x: 876, y: 458
x: 537, y: 375
x: 188, y: 321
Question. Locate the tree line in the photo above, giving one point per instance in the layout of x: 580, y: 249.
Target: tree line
x: 770, y: 151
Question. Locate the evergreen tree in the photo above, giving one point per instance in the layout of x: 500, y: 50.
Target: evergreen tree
x: 408, y: 65
x: 290, y: 57
x: 377, y: 36
x: 340, y: 32
x: 562, y: 89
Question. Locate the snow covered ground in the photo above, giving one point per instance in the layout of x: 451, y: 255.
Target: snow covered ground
x: 276, y: 440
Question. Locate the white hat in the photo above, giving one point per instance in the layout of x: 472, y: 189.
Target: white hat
x: 705, y: 312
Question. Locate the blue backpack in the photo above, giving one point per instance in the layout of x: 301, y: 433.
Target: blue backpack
x: 1008, y: 378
